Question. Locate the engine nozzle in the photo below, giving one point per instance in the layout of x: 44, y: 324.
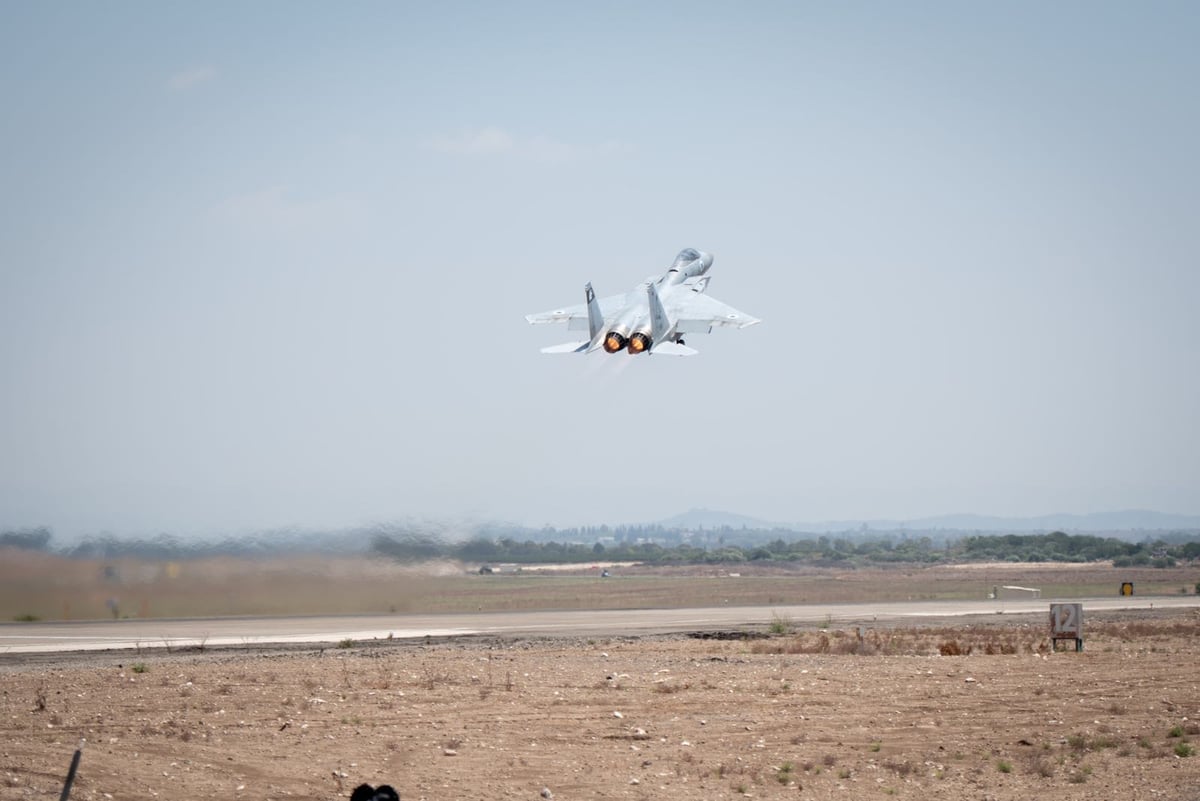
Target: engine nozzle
x: 615, y: 341
x: 639, y: 343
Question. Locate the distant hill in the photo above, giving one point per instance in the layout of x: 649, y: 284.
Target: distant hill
x: 711, y: 518
x: 1124, y: 520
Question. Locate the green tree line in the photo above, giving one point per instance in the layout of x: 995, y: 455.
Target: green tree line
x: 1054, y: 547
x: 653, y: 545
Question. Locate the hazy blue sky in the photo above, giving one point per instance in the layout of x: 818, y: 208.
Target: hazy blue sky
x: 266, y: 264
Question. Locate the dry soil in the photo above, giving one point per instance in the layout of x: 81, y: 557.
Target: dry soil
x: 814, y: 714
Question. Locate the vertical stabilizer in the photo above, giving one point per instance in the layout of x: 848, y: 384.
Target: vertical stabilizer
x: 595, y: 318
x: 665, y: 341
x: 660, y: 325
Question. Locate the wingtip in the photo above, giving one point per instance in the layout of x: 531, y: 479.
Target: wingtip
x: 672, y: 349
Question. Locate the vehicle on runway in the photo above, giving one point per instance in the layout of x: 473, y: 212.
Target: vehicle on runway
x: 653, y: 317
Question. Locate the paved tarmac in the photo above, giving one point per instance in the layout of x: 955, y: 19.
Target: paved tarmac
x: 19, y: 638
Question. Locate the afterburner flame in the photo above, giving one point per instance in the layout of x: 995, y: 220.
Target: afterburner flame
x: 614, y: 342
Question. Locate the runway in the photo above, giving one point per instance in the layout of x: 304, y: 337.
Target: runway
x: 28, y: 638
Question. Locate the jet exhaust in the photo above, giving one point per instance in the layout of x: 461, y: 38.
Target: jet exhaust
x: 650, y: 318
x: 615, y: 341
x: 639, y: 343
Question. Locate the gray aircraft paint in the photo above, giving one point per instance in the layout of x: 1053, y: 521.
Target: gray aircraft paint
x: 652, y: 317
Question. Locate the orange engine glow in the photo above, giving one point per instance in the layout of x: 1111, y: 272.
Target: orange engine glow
x: 614, y: 342
x: 638, y: 343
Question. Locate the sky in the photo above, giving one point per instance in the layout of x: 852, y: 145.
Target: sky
x: 266, y: 265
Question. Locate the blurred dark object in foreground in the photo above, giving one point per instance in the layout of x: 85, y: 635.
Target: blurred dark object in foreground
x: 365, y: 792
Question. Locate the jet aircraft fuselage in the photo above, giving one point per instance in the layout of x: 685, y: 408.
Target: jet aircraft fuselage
x: 653, y: 317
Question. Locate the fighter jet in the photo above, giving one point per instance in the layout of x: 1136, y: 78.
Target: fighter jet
x: 653, y: 317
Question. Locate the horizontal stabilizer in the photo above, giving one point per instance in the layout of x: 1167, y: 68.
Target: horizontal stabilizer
x: 568, y: 347
x: 673, y: 349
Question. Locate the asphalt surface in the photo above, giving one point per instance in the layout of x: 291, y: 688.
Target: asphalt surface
x: 29, y: 638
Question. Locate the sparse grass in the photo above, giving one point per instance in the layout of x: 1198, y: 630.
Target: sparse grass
x: 907, y: 641
x: 1176, y: 731
x: 784, y: 774
x: 780, y: 624
x: 1184, y: 749
x: 1143, y: 630
x: 26, y: 617
x: 1004, y: 766
x: 1041, y: 766
x: 346, y: 643
x: 53, y: 586
x: 139, y: 667
x: 827, y: 686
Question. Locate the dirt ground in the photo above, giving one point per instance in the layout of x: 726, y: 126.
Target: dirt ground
x: 42, y: 586
x: 800, y: 714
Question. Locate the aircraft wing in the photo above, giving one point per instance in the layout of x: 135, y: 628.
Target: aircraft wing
x: 697, y: 313
x: 576, y: 317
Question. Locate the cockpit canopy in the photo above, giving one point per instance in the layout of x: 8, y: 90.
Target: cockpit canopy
x: 685, y: 257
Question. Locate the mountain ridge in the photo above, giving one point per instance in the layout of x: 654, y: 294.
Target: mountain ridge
x: 1119, y: 520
